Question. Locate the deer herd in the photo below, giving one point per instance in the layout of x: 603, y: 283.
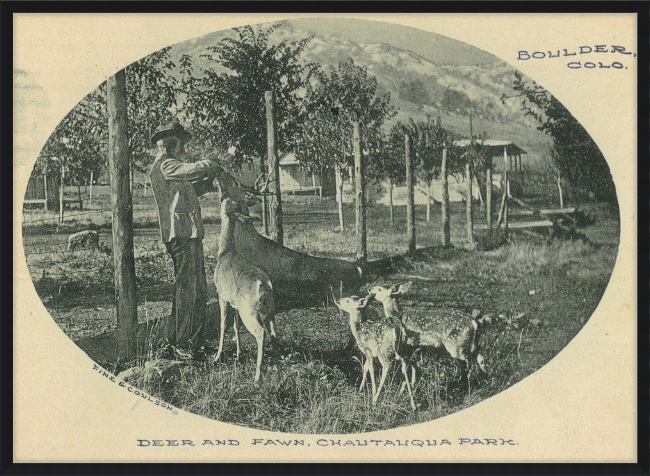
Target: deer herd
x: 246, y: 288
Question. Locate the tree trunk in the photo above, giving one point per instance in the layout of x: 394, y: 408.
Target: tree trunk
x: 506, y: 186
x: 488, y: 197
x: 339, y: 195
x: 275, y: 207
x: 470, y: 218
x: 410, y: 198
x: 428, y: 202
x: 446, y: 229
x: 265, y: 206
x: 61, y: 192
x: 119, y: 159
x: 362, y: 236
x: 90, y: 189
x: 390, y: 202
x: 45, y: 192
x: 559, y: 187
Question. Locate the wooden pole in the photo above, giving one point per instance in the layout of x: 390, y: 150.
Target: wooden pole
x: 47, y: 203
x: 265, y: 205
x: 359, y: 185
x: 488, y: 197
x: 410, y: 198
x: 90, y: 189
x: 61, y: 192
x: 119, y: 159
x: 275, y: 207
x: 470, y: 218
x: 446, y: 229
x: 390, y: 202
x: 339, y: 195
x: 506, y: 186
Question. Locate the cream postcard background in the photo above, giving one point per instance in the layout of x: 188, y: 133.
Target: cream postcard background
x: 580, y: 407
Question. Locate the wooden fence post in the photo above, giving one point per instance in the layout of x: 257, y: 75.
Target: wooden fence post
x: 61, y: 191
x: 446, y: 229
x: 488, y: 197
x: 265, y: 204
x: 119, y: 159
x: 90, y: 191
x: 506, y: 186
x: 410, y: 198
x: 470, y: 217
x: 47, y: 204
x: 339, y: 194
x: 275, y: 207
x: 362, y: 236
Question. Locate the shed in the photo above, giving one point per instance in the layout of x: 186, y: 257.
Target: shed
x: 510, y: 151
x: 293, y: 178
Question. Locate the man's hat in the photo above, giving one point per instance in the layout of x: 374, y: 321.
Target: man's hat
x: 168, y: 130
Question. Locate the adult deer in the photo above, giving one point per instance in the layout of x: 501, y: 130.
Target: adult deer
x: 377, y: 340
x: 456, y: 331
x: 242, y: 286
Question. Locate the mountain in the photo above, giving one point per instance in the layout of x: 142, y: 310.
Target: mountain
x: 436, y: 76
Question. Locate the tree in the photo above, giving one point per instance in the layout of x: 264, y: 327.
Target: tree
x: 333, y: 102
x: 79, y: 142
x: 227, y: 108
x: 577, y: 155
x: 151, y: 95
x: 388, y: 163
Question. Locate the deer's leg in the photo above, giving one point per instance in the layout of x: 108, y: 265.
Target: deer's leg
x: 481, y: 362
x: 235, y: 325
x: 365, y: 372
x: 385, y: 366
x: 272, y: 327
x: 223, y: 307
x: 371, y: 369
x: 408, y: 384
x: 401, y: 389
x: 259, y: 336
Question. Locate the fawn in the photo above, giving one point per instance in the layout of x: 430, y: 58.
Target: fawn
x: 242, y: 286
x: 456, y: 331
x: 377, y: 340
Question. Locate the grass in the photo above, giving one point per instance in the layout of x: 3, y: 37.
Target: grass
x: 310, y: 376
x: 540, y: 294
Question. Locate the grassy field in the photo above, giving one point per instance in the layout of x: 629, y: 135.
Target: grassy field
x: 539, y: 292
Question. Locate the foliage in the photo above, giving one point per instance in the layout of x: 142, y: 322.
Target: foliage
x: 577, y: 155
x: 151, y: 97
x: 228, y: 108
x: 332, y: 104
x: 454, y: 101
x: 79, y: 141
x: 428, y: 140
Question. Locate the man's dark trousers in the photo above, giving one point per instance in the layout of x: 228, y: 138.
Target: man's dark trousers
x: 190, y: 294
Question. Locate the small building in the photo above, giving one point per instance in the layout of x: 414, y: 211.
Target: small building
x: 508, y: 150
x: 294, y: 178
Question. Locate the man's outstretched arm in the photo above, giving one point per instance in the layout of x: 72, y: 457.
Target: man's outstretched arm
x: 176, y: 170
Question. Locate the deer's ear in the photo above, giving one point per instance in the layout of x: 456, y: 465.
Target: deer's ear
x: 364, y: 302
x: 404, y: 287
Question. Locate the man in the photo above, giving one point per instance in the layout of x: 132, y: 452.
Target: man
x: 177, y: 185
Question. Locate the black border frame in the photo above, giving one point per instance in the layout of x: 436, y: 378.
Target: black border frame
x: 641, y: 8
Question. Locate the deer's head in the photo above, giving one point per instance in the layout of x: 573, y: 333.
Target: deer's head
x: 385, y: 293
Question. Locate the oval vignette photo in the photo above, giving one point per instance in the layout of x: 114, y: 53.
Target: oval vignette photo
x: 318, y: 226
